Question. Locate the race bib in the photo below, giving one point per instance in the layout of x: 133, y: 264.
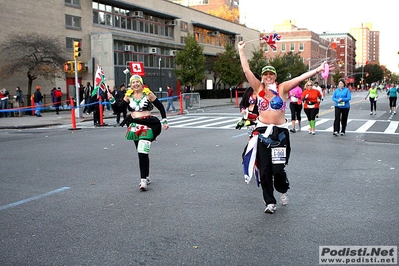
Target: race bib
x: 294, y: 99
x: 310, y: 106
x: 279, y: 155
x: 341, y: 104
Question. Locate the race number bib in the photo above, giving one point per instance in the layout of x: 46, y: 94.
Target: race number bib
x: 294, y: 99
x: 279, y: 155
x: 341, y: 104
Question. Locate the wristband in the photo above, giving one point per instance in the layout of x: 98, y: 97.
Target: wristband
x: 164, y: 121
x: 112, y: 101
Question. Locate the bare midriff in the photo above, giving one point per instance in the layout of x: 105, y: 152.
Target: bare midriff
x: 140, y: 114
x: 272, y: 117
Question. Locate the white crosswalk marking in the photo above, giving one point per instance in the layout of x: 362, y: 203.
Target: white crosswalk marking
x: 366, y: 126
x: 393, y: 125
x: 322, y: 124
x: 331, y: 129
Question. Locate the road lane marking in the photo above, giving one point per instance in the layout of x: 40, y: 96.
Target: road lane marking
x: 33, y: 198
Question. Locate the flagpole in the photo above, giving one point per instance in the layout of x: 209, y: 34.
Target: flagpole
x: 252, y: 40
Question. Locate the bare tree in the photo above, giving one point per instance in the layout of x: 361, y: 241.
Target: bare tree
x: 34, y: 54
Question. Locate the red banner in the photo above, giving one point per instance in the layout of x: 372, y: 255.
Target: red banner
x: 137, y: 68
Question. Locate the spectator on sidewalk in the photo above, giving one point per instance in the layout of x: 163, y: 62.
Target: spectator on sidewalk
x: 87, y: 96
x: 37, y: 98
x: 4, y: 102
x: 119, y: 107
x: 56, y: 96
x: 19, y: 100
x: 170, y: 99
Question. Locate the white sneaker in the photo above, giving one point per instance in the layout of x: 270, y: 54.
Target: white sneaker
x: 143, y: 184
x: 270, y: 208
x: 148, y: 180
x: 371, y: 113
x: 284, y: 199
x: 375, y: 113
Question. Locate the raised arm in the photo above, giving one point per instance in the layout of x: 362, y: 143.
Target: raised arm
x: 290, y: 84
x: 252, y: 80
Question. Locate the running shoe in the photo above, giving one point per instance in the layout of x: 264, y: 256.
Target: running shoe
x: 143, y: 184
x: 284, y: 199
x: 270, y: 208
x: 335, y: 133
x: 148, y: 180
x: 293, y: 130
x: 342, y: 133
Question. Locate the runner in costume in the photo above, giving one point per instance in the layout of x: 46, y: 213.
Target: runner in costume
x: 268, y: 150
x: 143, y: 128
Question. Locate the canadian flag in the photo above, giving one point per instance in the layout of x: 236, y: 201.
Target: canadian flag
x: 137, y: 68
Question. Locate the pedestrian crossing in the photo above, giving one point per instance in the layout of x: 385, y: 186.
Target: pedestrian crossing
x: 322, y: 124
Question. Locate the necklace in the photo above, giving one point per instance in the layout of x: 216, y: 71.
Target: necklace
x: 137, y: 105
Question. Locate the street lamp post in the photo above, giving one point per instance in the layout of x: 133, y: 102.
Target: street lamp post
x: 160, y: 76
x: 333, y: 45
x: 362, y: 86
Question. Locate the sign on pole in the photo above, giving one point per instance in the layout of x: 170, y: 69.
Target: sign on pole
x: 137, y: 68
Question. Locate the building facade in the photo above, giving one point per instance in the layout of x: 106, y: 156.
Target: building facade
x: 367, y: 44
x: 115, y: 33
x: 345, y: 47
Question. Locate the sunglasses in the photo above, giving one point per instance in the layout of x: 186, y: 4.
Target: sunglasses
x: 309, y: 84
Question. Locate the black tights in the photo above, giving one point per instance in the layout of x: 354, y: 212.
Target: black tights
x: 373, y: 104
x: 144, y: 163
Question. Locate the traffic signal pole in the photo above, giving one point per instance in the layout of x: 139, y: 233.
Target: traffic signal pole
x: 76, y: 54
x: 78, y: 111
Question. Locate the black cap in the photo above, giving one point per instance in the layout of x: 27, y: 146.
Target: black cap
x: 122, y: 85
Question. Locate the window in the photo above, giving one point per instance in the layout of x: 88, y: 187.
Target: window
x: 72, y: 22
x: 69, y: 43
x: 301, y: 46
x: 292, y: 47
x: 183, y: 26
x: 116, y: 17
x: 72, y: 3
x: 266, y: 48
x: 283, y: 47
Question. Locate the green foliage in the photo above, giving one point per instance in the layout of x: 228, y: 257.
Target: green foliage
x: 190, y: 63
x: 288, y: 66
x: 337, y: 76
x: 371, y: 73
x: 228, y: 67
x: 257, y: 62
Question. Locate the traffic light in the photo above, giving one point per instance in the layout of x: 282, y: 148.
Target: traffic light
x: 80, y: 66
x: 76, y: 49
x: 68, y: 66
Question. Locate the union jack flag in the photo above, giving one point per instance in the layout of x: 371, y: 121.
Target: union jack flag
x: 249, y: 161
x: 271, y: 40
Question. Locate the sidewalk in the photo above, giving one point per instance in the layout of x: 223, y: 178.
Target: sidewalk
x: 64, y: 118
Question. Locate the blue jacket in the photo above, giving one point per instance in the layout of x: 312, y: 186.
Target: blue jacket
x: 345, y: 95
x: 392, y: 92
